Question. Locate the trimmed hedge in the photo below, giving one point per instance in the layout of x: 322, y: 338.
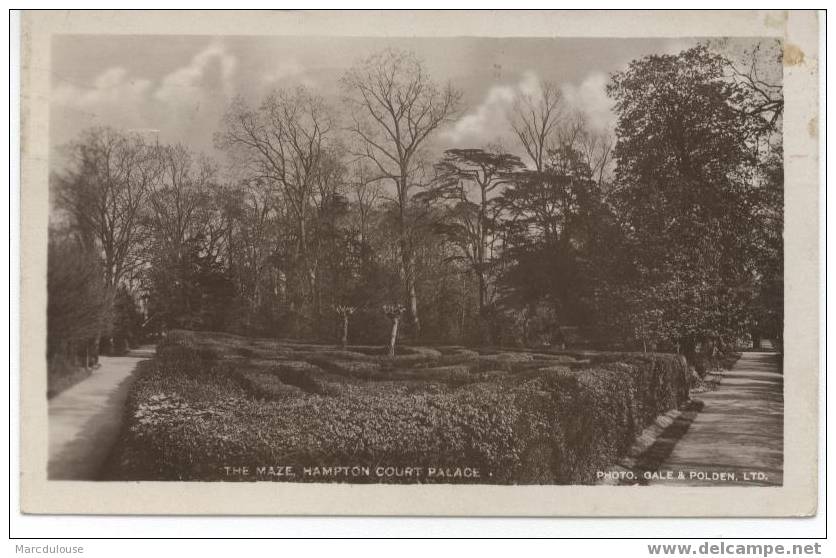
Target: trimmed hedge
x: 190, y: 415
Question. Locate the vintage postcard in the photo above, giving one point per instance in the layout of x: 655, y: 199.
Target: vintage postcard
x: 420, y: 263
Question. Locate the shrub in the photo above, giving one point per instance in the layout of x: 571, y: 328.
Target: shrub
x: 269, y: 386
x: 334, y: 354
x: 305, y: 376
x: 458, y: 356
x: 350, y: 368
x: 452, y: 374
x: 190, y: 414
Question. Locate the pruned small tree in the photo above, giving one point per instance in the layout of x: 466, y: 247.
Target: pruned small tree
x: 394, y: 313
x: 344, y: 312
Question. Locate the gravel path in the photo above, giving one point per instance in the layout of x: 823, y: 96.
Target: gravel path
x: 737, y: 438
x: 85, y: 419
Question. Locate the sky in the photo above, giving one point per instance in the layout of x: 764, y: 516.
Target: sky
x: 177, y: 87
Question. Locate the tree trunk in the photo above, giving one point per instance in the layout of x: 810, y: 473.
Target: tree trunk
x: 317, y: 299
x: 408, y: 268
x: 345, y: 331
x: 413, y: 308
x: 483, y: 291
x: 393, y: 337
x: 407, y: 257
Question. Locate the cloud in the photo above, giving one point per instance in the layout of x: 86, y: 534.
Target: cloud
x: 111, y: 88
x: 184, y: 104
x: 209, y: 72
x: 590, y: 99
x: 488, y: 122
x: 289, y: 70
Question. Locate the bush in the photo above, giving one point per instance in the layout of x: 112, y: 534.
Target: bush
x: 302, y: 375
x: 350, y: 368
x: 452, y: 374
x: 458, y: 356
x: 268, y: 386
x: 190, y: 415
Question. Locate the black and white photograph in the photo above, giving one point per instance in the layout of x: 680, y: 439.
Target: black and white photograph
x: 416, y: 260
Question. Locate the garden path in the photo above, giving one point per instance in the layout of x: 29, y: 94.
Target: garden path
x: 84, y: 420
x: 739, y: 430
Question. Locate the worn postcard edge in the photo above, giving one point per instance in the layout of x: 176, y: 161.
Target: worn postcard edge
x: 797, y: 497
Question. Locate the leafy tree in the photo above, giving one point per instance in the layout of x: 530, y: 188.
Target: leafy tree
x: 469, y: 181
x: 550, y: 221
x: 127, y: 321
x: 79, y: 303
x: 101, y: 196
x: 685, y: 192
x: 198, y: 296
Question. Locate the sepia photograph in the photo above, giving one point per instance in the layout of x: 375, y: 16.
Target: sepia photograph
x: 415, y: 260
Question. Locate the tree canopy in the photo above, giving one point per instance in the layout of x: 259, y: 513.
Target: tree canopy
x: 665, y: 233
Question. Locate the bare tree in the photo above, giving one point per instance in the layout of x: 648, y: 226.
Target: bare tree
x: 536, y: 119
x: 365, y: 191
x: 182, y: 214
x: 103, y: 193
x: 284, y: 143
x: 394, y: 106
x: 757, y: 70
x: 252, y: 231
x: 597, y: 151
x: 178, y: 202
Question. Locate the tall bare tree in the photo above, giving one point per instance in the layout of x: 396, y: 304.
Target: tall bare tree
x: 179, y: 201
x: 596, y: 147
x: 253, y: 228
x: 103, y: 193
x: 364, y: 189
x: 182, y: 217
x: 536, y: 119
x: 284, y: 142
x: 394, y: 106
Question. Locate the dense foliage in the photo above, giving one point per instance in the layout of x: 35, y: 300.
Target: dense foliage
x: 694, y: 180
x: 534, y: 418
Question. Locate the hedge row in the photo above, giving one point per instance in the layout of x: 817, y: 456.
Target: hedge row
x: 190, y: 414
